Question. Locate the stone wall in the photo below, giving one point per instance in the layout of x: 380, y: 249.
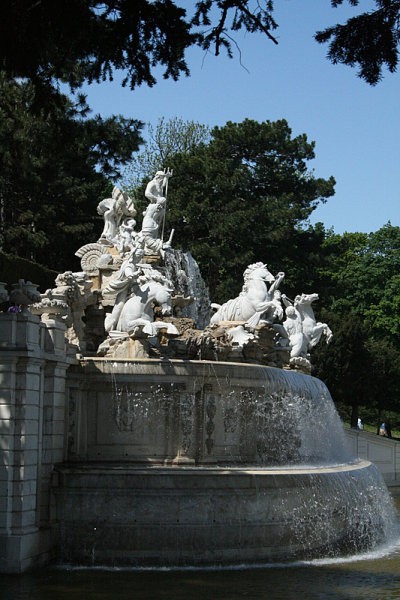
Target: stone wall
x: 33, y: 365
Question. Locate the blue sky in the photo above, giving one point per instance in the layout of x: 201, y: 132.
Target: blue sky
x: 355, y: 126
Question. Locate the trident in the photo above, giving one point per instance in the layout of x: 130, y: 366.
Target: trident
x: 167, y: 173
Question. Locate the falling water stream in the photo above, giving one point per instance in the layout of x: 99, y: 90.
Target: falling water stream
x: 263, y: 473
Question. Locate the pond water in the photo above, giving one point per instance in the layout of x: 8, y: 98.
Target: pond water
x: 374, y: 576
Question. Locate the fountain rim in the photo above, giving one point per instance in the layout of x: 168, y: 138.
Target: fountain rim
x: 182, y: 361
x: 183, y: 470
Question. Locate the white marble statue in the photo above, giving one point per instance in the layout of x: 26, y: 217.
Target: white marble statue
x: 312, y: 329
x: 255, y: 322
x: 156, y: 189
x: 301, y: 327
x: 126, y: 279
x: 293, y: 329
x: 126, y: 236
x: 154, y: 215
x: 256, y: 302
x: 142, y: 289
x: 114, y: 210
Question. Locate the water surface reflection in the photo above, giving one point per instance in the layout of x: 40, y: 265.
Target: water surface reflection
x: 375, y: 578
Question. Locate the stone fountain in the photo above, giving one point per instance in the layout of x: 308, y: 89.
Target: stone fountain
x: 196, y: 434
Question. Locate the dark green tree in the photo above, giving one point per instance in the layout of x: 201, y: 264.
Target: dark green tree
x: 346, y: 365
x: 55, y: 166
x: 360, y: 286
x: 364, y: 273
x: 361, y: 372
x: 245, y: 196
x: 369, y: 40
x: 384, y: 391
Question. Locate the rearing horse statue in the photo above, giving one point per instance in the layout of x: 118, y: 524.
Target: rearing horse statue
x: 255, y: 301
x: 312, y: 329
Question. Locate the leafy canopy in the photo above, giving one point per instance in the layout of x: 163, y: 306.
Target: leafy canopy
x: 88, y: 40
x: 369, y: 40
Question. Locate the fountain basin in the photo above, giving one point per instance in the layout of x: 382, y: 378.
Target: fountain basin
x: 177, y: 463
x: 126, y: 516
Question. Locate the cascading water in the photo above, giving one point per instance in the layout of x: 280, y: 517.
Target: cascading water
x: 198, y: 463
x: 184, y: 273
